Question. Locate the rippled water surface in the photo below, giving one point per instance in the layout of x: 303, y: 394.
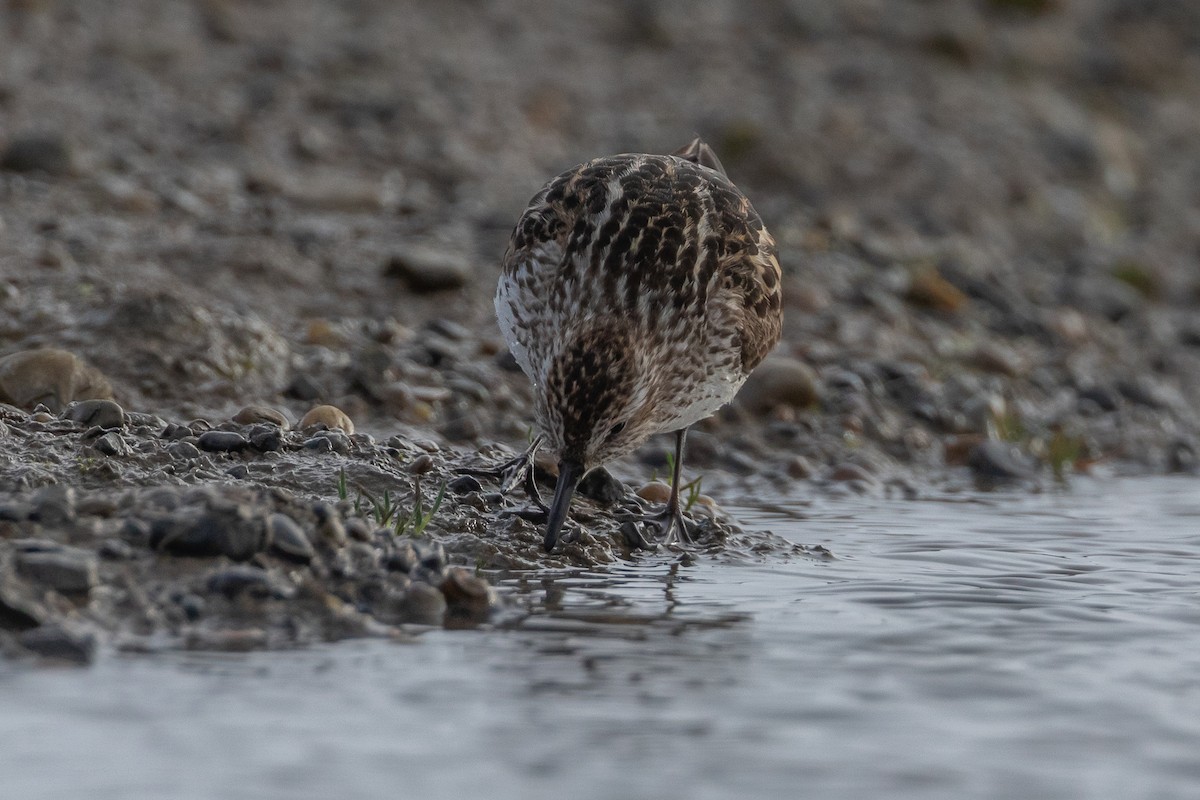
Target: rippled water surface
x: 997, y: 647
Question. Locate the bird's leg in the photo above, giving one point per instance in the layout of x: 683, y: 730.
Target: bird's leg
x: 669, y: 523
x: 513, y: 472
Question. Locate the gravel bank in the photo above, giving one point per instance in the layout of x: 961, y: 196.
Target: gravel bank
x: 249, y: 248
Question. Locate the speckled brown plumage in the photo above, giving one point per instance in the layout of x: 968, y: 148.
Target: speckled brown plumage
x: 638, y: 292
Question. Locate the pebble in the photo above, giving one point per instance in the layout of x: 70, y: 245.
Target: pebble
x: 779, y: 381
x: 929, y: 289
x: 192, y: 605
x: 403, y: 558
x: 48, y: 153
x: 331, y: 417
x: 427, y: 269
x: 799, y: 468
x: 1001, y: 461
x: 848, y: 471
x: 464, y: 484
x: 468, y: 597
x: 238, y: 580
x: 59, y: 644
x: 99, y: 413
x: 51, y: 377
x: 329, y: 524
x: 318, y: 444
x: 15, y: 615
x: 998, y: 359
x: 54, y: 505
x: 232, y: 531
x: 448, y: 328
x: 1104, y: 398
x: 112, y: 444
x: 267, y: 441
x: 601, y: 486
x: 222, y: 442
x: 116, y: 550
x: 359, y: 530
x: 462, y: 428
x: 287, y: 539
x: 14, y: 511
x: 305, y: 387
x: 655, y: 492
x: 183, y: 451
x: 338, y: 441
x: 255, y: 414
x: 65, y: 570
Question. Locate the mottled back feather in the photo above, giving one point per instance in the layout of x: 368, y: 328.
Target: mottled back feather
x: 649, y: 279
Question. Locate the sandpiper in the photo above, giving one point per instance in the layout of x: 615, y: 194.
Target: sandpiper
x: 638, y: 293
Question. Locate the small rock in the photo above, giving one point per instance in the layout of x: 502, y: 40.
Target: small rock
x: 255, y: 414
x: 1104, y: 398
x: 183, y: 451
x: 799, y: 468
x: 239, y: 580
x: 14, y: 511
x: 1182, y: 457
x: 464, y: 484
x: 779, y: 381
x: 403, y: 558
x: 116, y: 550
x: 338, y: 441
x: 192, y: 605
x: 848, y: 471
x: 68, y: 571
x: 222, y: 442
x: 331, y: 417
x: 421, y: 464
x: 329, y: 524
x: 54, y: 506
x: 468, y: 597
x: 424, y: 604
x: 268, y: 441
x: 929, y: 289
x: 601, y: 486
x: 112, y: 444
x: 999, y: 461
x: 60, y: 644
x: 427, y: 269
x: 50, y: 377
x: 305, y: 387
x: 655, y: 492
x: 48, y: 153
x: 431, y: 561
x: 359, y: 530
x: 462, y: 428
x: 99, y: 413
x: 287, y: 539
x: 995, y: 358
x: 231, y: 531
x: 318, y: 444
x: 15, y: 615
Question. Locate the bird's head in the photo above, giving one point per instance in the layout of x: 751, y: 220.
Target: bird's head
x: 596, y: 404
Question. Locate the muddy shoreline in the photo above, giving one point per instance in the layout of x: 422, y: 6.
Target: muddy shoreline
x: 215, y: 217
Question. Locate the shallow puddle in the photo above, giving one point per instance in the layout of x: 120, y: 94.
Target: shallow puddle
x: 1000, y: 646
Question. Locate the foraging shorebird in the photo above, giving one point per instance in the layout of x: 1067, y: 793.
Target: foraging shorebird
x: 638, y: 293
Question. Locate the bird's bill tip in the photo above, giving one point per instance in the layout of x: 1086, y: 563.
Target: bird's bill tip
x: 569, y: 475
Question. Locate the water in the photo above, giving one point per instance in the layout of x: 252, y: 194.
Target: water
x: 991, y: 647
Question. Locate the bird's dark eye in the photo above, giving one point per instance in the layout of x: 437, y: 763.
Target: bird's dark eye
x: 615, y: 430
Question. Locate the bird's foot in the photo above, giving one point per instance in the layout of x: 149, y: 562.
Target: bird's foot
x: 667, y: 527
x: 514, y: 472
